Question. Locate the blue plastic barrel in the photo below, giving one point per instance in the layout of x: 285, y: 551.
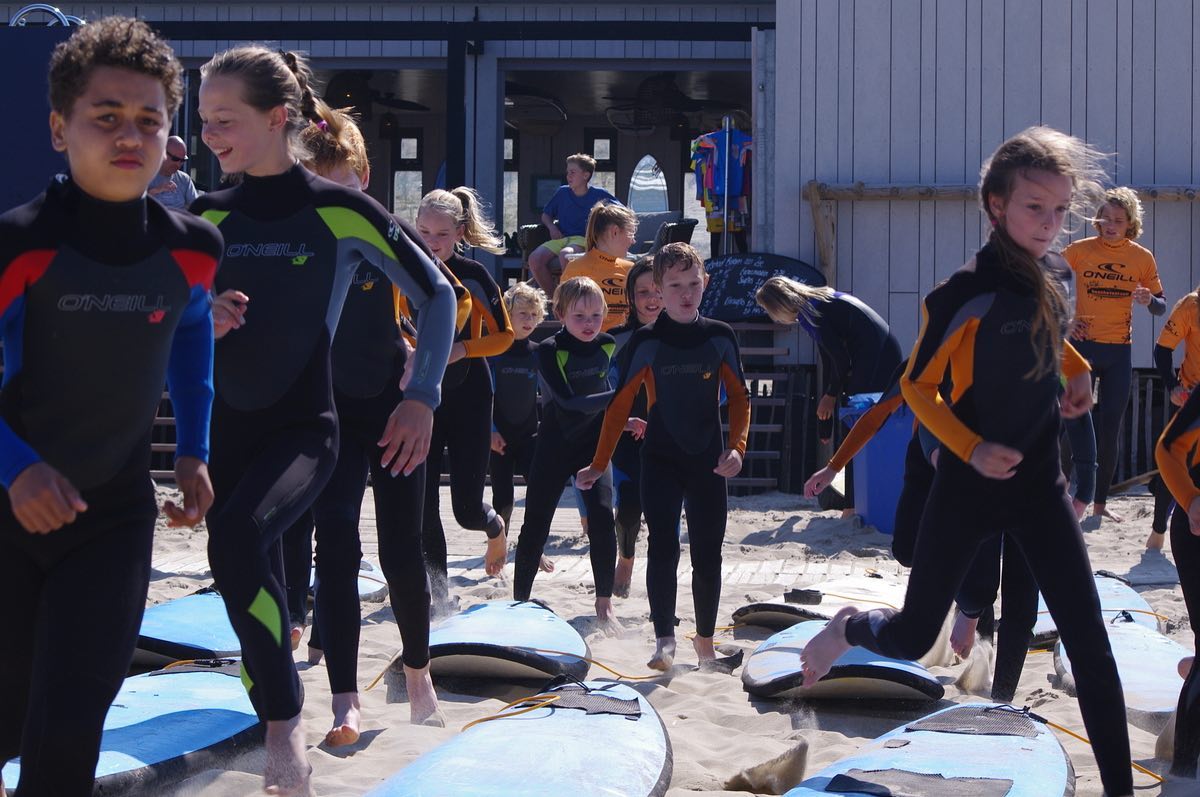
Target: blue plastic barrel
x: 879, y: 467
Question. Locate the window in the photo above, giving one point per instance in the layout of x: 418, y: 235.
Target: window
x: 601, y: 144
x: 648, y: 187
x: 512, y: 182
x: 408, y: 178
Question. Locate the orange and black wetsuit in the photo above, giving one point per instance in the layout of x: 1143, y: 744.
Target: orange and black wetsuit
x: 683, y: 367
x: 1106, y: 276
x: 1183, y: 326
x: 101, y: 303
x: 1179, y: 463
x: 978, y: 323
x: 573, y: 377
x: 462, y: 425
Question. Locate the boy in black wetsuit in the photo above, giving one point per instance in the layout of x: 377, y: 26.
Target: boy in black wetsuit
x: 515, y: 415
x: 573, y: 370
x: 95, y: 281
x: 683, y: 359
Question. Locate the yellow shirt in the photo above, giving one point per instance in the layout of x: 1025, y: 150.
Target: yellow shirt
x: 1106, y: 276
x: 609, y: 273
x: 1184, y: 327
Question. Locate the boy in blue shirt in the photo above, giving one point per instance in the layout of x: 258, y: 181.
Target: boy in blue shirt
x: 570, y: 206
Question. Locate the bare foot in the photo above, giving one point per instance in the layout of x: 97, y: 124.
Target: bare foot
x: 1185, y: 667
x: 1155, y: 541
x: 422, y: 700
x: 497, y: 554
x: 346, y: 716
x: 315, y: 655
x: 287, y: 770
x: 546, y: 565
x: 664, y: 654
x: 297, y: 635
x: 1080, y: 508
x: 848, y: 513
x: 607, y: 617
x: 826, y: 647
x: 623, y: 577
x: 1100, y: 510
x: 962, y: 638
x: 705, y: 652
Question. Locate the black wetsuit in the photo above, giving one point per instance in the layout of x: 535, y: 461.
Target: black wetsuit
x: 683, y: 367
x: 294, y: 242
x: 515, y: 418
x: 575, y: 390
x: 462, y: 426
x: 1177, y: 462
x: 858, y: 353
x: 368, y: 358
x: 100, y: 304
x: 978, y: 322
x: 627, y: 458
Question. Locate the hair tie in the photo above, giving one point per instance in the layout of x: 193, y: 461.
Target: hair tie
x: 323, y: 126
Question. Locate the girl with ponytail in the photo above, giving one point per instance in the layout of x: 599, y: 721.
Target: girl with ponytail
x: 447, y: 221
x: 294, y: 243
x: 998, y: 325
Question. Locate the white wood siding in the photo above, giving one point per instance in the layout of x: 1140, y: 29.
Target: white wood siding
x: 924, y: 90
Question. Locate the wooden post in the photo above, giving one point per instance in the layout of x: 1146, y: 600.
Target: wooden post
x: 824, y: 214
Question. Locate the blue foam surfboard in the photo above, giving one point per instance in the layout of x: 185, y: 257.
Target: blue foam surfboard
x: 192, y: 627
x: 970, y: 749
x: 1115, y: 597
x: 506, y: 640
x: 774, y: 671
x: 167, y: 725
x: 1148, y: 664
x: 372, y: 587
x: 549, y: 752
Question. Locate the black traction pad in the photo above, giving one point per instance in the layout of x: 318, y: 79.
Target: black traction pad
x: 223, y: 666
x: 596, y: 702
x: 979, y: 721
x: 901, y: 783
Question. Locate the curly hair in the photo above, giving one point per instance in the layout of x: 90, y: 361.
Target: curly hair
x: 1127, y: 200
x: 336, y: 143
x: 112, y: 41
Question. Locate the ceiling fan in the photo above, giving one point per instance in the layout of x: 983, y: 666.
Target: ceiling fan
x: 352, y: 88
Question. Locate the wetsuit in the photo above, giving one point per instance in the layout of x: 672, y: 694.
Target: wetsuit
x: 573, y: 377
x: 977, y: 323
x: 1183, y: 326
x: 366, y: 348
x: 1106, y: 277
x: 858, y: 352
x: 683, y: 367
x: 100, y: 304
x: 1179, y: 465
x: 515, y: 418
x: 627, y: 458
x: 462, y: 425
x: 294, y: 243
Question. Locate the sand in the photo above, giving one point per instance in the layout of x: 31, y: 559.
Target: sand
x: 774, y: 542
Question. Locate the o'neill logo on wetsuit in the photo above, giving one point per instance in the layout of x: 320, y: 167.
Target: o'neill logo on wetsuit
x: 681, y: 370
x: 299, y: 254
x: 155, y: 309
x: 1013, y: 327
x: 1110, y: 272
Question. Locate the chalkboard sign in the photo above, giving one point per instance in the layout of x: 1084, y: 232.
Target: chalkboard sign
x: 733, y: 280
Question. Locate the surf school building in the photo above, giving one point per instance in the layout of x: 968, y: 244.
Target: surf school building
x: 869, y: 118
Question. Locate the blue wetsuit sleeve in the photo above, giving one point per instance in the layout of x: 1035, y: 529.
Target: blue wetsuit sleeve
x: 15, y: 455
x: 1158, y: 304
x: 1163, y: 361
x: 929, y: 443
x: 190, y: 376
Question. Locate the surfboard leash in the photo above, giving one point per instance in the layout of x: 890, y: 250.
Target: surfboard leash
x: 1085, y: 740
x: 544, y: 699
